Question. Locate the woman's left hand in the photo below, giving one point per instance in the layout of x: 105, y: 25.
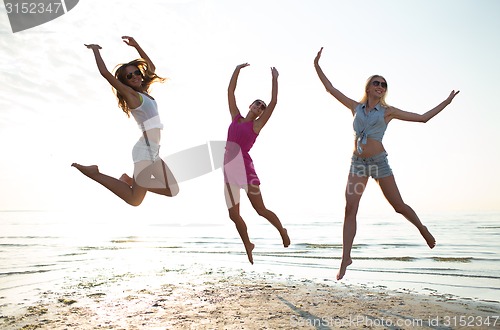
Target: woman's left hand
x: 452, y: 95
x: 274, y: 72
x: 130, y: 41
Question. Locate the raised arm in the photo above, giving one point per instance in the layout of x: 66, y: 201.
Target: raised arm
x: 125, y: 90
x: 133, y: 43
x: 349, y: 103
x: 262, y: 120
x: 233, y: 108
x: 395, y: 113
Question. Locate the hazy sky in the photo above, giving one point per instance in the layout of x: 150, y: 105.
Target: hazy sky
x: 56, y: 109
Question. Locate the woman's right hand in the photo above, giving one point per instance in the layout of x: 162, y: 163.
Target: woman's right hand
x: 93, y: 46
x: 238, y: 67
x: 316, y: 60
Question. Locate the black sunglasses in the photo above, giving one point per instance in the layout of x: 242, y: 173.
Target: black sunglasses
x: 136, y: 72
x: 381, y: 83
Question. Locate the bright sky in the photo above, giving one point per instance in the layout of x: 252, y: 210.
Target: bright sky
x: 56, y: 109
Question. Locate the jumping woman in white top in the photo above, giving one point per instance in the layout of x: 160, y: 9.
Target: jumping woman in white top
x: 131, y: 85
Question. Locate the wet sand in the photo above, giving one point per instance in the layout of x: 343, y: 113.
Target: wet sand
x: 187, y: 298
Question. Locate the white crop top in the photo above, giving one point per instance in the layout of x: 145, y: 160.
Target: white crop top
x: 146, y: 115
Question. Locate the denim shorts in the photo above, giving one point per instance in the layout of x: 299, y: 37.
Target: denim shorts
x: 377, y: 166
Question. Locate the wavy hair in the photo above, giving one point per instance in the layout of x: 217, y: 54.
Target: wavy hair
x: 368, y: 82
x: 148, y: 77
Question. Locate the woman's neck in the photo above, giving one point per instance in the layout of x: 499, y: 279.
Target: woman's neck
x: 250, y: 116
x: 372, y: 102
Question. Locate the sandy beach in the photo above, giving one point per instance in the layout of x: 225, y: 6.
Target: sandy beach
x: 201, y: 298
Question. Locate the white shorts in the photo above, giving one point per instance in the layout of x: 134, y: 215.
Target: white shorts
x: 142, y: 151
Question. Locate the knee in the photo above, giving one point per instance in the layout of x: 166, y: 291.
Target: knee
x: 135, y: 201
x: 351, y: 209
x: 233, y: 215
x: 174, y: 190
x: 400, y: 208
x: 262, y: 211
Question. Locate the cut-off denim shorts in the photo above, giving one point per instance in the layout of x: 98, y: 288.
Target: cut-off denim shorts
x: 377, y: 166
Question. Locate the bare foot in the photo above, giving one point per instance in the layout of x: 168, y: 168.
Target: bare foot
x: 249, y: 250
x: 128, y: 180
x: 285, y: 238
x: 431, y: 241
x: 89, y: 171
x: 343, y: 268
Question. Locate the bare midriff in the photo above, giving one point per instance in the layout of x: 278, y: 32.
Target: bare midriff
x: 154, y: 135
x: 370, y: 149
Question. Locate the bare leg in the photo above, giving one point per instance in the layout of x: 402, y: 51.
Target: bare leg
x: 156, y: 177
x: 133, y: 195
x: 232, y: 194
x: 172, y: 190
x: 255, y: 197
x: 127, y: 179
x: 234, y: 214
x: 391, y: 192
x: 354, y: 190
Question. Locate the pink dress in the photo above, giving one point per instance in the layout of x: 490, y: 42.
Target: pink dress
x: 238, y: 165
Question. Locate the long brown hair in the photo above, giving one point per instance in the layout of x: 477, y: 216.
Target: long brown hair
x: 148, y: 77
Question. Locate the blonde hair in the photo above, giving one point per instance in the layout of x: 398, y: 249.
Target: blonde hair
x: 368, y: 82
x: 148, y: 77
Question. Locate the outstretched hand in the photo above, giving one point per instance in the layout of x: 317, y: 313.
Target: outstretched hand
x: 274, y: 72
x: 316, y: 60
x: 241, y: 66
x: 452, y: 95
x: 93, y: 46
x: 130, y: 41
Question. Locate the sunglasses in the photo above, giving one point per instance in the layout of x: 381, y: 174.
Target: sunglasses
x: 136, y: 72
x: 381, y: 83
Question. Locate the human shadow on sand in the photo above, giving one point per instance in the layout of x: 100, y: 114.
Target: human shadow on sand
x: 305, y: 318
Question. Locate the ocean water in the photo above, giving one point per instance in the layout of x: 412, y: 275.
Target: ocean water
x: 40, y: 251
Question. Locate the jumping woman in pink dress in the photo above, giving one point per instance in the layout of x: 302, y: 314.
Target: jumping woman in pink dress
x: 239, y: 171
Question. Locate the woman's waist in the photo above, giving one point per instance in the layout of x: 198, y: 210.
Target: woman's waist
x: 153, y: 135
x: 235, y: 153
x: 369, y: 149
